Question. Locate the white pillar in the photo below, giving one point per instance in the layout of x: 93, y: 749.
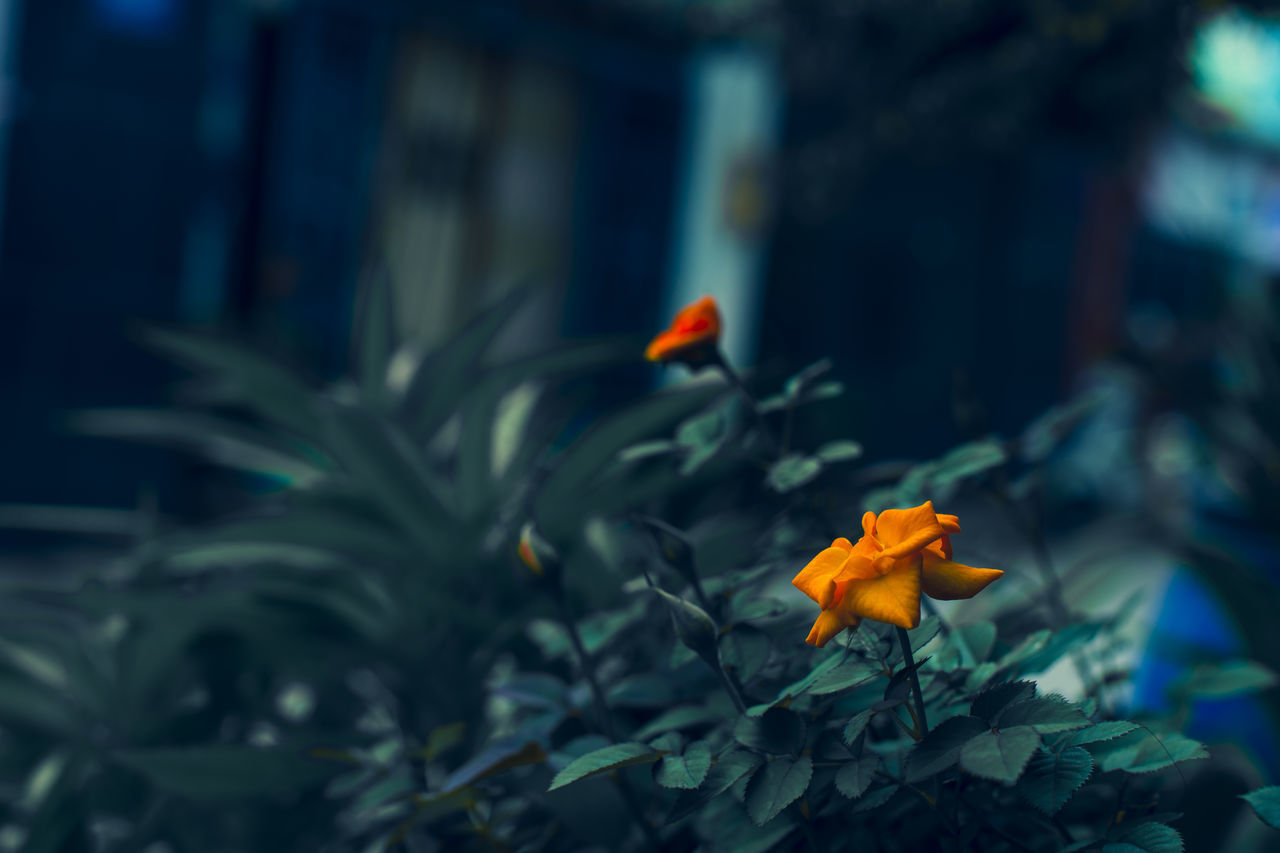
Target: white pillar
x: 731, y: 134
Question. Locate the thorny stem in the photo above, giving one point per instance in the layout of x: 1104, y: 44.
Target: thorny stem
x: 905, y: 642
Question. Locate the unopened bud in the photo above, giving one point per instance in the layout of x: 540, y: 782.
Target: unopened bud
x: 537, y: 554
x: 694, y: 628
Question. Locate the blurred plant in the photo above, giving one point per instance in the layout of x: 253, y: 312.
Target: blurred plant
x: 372, y: 657
x: 324, y: 616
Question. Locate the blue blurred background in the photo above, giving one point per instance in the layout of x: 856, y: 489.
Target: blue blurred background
x: 970, y: 210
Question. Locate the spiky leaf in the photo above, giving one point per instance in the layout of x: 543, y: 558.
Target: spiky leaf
x: 941, y: 747
x: 782, y: 781
x: 606, y: 759
x: 1000, y: 756
x: 1046, y: 714
x: 687, y: 770
x: 854, y: 778
x: 1266, y: 804
x: 1051, y: 778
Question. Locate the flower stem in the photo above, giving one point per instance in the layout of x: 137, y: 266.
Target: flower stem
x: 731, y: 689
x: 753, y: 404
x: 905, y: 642
x: 585, y: 664
x: 587, y: 667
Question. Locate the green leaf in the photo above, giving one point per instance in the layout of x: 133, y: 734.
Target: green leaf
x: 1062, y: 643
x: 746, y: 609
x: 227, y: 772
x: 806, y: 377
x: 645, y: 690
x: 378, y: 455
x: 874, y: 800
x: 856, y: 726
x: 1149, y: 837
x: 1051, y: 778
x: 1000, y: 756
x: 792, y: 471
x: 995, y: 698
x: 687, y: 770
x: 1143, y: 752
x: 442, y: 739
x: 513, y: 751
x: 218, y: 440
x: 778, y: 731
x: 854, y: 778
x: 1044, y: 433
x: 980, y: 637
x: 1033, y: 643
x: 647, y: 450
x: 838, y: 451
x: 534, y: 690
x: 26, y: 704
x: 924, y: 632
x: 1228, y: 679
x: 744, y: 650
x: 728, y: 769
x: 575, y: 479
x: 439, y: 379
x: 677, y: 718
x: 852, y: 673
x: 693, y: 626
x: 782, y: 781
x: 1099, y: 732
x: 245, y: 376
x: 828, y: 660
x: 1266, y: 804
x: 604, y: 760
x: 941, y: 748
x: 969, y: 460
x: 1046, y: 714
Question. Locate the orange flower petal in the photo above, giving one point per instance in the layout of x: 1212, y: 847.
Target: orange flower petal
x: 942, y: 547
x: 817, y: 580
x: 905, y: 531
x: 892, y: 598
x: 841, y: 542
x: 950, y: 523
x: 867, y: 547
x: 856, y: 567
x: 828, y: 624
x: 869, y: 524
x: 948, y: 581
x: 695, y: 327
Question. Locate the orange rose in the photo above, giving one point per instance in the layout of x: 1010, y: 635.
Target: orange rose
x: 901, y: 554
x: 692, y: 337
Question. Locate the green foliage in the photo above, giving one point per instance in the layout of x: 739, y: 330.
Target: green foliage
x: 1148, y: 837
x: 1000, y: 755
x: 1050, y: 778
x: 780, y: 783
x: 605, y: 759
x: 1266, y: 804
x: 360, y: 642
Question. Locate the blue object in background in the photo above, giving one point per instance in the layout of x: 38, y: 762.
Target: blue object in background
x: 1192, y: 618
x: 141, y: 17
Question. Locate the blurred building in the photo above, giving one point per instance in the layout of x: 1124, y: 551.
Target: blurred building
x: 246, y: 164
